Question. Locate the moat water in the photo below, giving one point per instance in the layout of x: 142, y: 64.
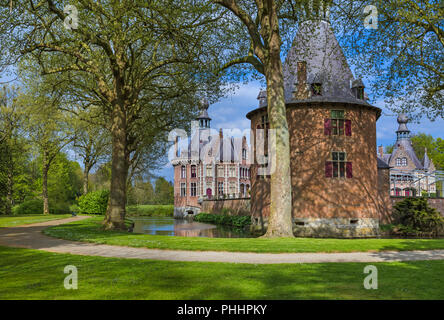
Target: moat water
x: 168, y: 226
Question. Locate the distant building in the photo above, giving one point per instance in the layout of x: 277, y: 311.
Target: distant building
x: 209, y: 166
x: 408, y: 175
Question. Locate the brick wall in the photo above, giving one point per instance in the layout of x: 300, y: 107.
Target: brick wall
x: 237, y: 207
x: 314, y: 195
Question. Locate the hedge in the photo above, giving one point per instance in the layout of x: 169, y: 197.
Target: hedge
x: 223, y: 219
x: 94, y: 202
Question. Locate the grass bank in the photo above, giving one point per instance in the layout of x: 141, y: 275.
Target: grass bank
x: 32, y: 274
x: 90, y: 230
x: 149, y: 210
x: 16, y: 220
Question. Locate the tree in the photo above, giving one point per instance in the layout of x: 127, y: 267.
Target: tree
x: 92, y: 144
x: 257, y: 26
x: 141, y: 192
x: 404, y: 56
x: 47, y: 128
x: 140, y: 62
x: 12, y: 146
x: 435, y: 148
x: 164, y: 191
x: 64, y: 180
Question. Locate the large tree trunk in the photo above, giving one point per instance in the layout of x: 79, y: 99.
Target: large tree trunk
x: 280, y: 223
x: 115, y: 213
x: 45, y: 169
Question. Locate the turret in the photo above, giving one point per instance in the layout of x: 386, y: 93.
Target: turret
x: 403, y: 132
x: 203, y: 118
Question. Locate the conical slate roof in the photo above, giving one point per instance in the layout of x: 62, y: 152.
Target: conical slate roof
x: 316, y: 44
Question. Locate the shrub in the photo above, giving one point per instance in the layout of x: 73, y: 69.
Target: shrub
x: 234, y: 221
x: 34, y: 206
x: 414, y: 217
x: 94, y: 202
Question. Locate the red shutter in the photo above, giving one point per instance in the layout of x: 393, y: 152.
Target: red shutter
x: 349, y: 170
x: 327, y: 127
x: 348, y: 128
x: 328, y: 169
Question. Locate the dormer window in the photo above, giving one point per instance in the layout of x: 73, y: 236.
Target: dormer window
x: 316, y: 89
x: 360, y: 93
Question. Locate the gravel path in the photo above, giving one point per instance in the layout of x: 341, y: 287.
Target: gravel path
x: 31, y: 237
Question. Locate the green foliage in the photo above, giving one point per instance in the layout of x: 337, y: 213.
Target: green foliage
x: 414, y: 217
x: 59, y: 208
x: 223, y: 219
x: 64, y: 180
x: 435, y: 148
x: 142, y: 192
x: 151, y: 210
x: 94, y: 202
x: 34, y: 206
x: 164, y: 191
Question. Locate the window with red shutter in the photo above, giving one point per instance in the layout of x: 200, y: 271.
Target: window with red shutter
x: 348, y: 128
x: 328, y: 169
x: 327, y: 127
x: 349, y: 170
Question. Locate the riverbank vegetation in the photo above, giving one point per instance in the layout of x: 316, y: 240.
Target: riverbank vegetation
x: 224, y: 219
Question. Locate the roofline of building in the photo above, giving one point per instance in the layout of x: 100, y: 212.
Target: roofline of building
x: 322, y: 100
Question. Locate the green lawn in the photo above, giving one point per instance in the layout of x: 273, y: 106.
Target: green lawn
x: 89, y: 230
x: 32, y: 274
x: 11, y: 221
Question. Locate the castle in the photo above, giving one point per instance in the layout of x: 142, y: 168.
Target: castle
x: 211, y: 166
x: 408, y: 175
x: 340, y: 183
x: 332, y: 127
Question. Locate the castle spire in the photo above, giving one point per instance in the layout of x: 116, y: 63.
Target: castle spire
x: 403, y: 132
x: 203, y: 118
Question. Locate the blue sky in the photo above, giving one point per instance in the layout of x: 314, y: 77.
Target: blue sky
x: 230, y: 112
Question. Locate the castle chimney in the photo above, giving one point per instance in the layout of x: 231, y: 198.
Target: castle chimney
x: 301, y: 90
x: 381, y: 151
